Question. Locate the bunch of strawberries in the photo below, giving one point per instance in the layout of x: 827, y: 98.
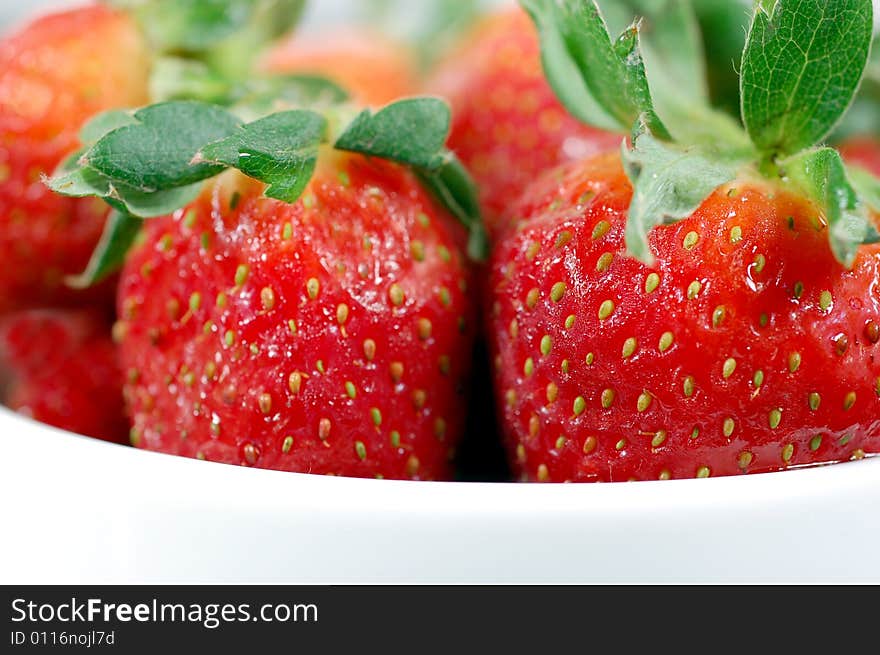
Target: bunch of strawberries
x: 227, y: 243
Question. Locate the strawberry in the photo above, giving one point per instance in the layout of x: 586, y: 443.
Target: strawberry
x: 61, y: 367
x: 508, y: 126
x: 329, y: 336
x: 690, y: 308
x: 314, y: 318
x: 372, y: 67
x: 54, y: 73
x: 746, y: 347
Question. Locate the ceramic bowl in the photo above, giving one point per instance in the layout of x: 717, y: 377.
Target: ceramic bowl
x: 77, y: 510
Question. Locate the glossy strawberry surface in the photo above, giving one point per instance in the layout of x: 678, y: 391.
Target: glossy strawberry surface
x: 746, y: 347
x: 330, y: 336
x: 508, y: 127
x: 55, y: 73
x: 61, y: 368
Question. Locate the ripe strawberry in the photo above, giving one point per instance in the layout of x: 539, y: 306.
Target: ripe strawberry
x: 61, y: 368
x: 55, y: 73
x: 328, y: 336
x: 690, y: 308
x: 748, y: 347
x: 508, y: 126
x: 370, y: 66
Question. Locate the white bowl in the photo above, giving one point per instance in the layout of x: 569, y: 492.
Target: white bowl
x: 77, y: 510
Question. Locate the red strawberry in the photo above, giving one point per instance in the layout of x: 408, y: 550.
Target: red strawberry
x: 704, y: 304
x: 328, y: 336
x: 508, y: 127
x: 61, y: 368
x: 55, y: 73
x: 374, y: 69
x: 746, y: 348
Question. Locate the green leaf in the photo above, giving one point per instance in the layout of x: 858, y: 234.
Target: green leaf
x: 453, y: 187
x: 674, y: 62
x: 801, y: 67
x: 192, y: 25
x: 102, y: 123
x: 119, y: 233
x: 153, y: 204
x: 79, y: 183
x: 821, y: 176
x: 864, y: 115
x: 562, y: 72
x: 280, y: 150
x: 669, y: 183
x: 155, y: 154
x: 672, y: 45
x: 268, y: 20
x: 600, y: 81
x: 411, y: 131
x: 670, y: 41
x: 178, y: 78
x: 195, y: 26
x: 262, y: 95
x: 866, y: 185
x: 723, y: 25
x: 85, y: 181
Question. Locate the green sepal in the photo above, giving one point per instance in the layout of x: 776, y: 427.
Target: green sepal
x: 155, y: 164
x: 863, y: 116
x: 268, y: 20
x: 152, y: 204
x: 454, y: 189
x: 669, y: 183
x: 199, y: 26
x: 561, y: 70
x: 670, y: 40
x: 79, y: 182
x: 600, y: 81
x: 120, y: 231
x: 821, y: 176
x: 165, y: 138
x: 674, y: 59
x: 866, y: 185
x: 723, y: 25
x: 280, y: 150
x: 100, y: 124
x: 179, y: 78
x: 801, y: 68
x: 85, y: 181
x: 263, y: 95
x: 411, y: 131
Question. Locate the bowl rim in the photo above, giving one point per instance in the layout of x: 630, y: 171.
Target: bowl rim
x: 97, y: 454
x: 123, y: 513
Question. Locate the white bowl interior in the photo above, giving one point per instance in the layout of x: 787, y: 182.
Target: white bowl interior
x: 79, y: 510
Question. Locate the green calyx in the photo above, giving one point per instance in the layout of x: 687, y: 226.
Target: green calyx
x: 208, y: 49
x: 801, y: 67
x: 224, y: 35
x: 152, y: 161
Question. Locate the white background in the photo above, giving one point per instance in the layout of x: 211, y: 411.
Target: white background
x: 319, y: 11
